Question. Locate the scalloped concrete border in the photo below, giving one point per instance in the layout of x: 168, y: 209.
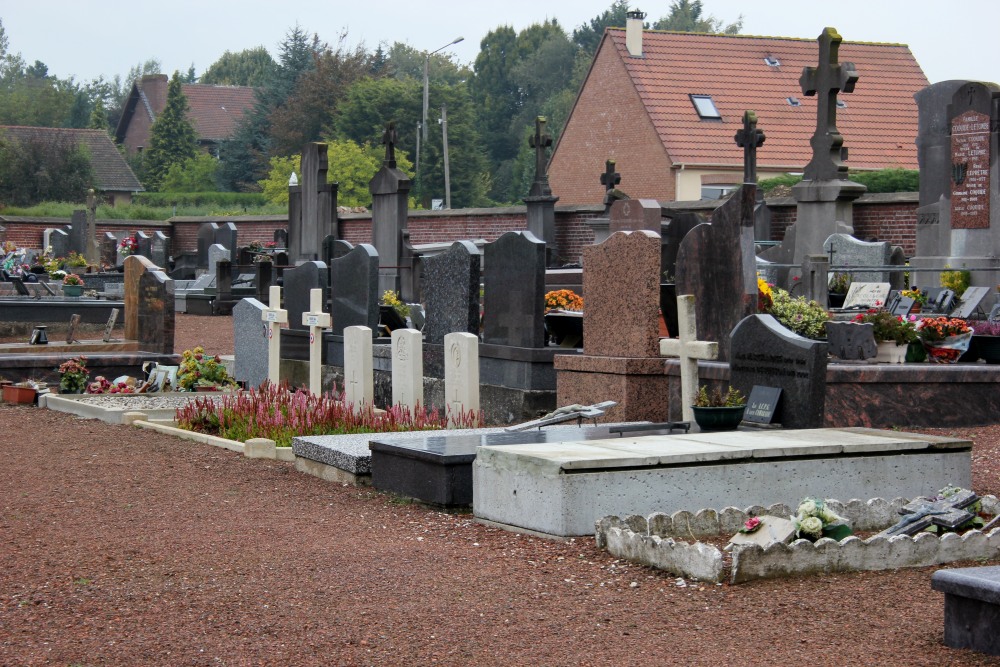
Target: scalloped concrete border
x: 653, y: 541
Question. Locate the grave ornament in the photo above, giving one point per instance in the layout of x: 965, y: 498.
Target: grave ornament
x: 826, y: 80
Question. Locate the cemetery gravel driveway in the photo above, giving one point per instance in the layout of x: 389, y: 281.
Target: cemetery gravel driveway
x: 127, y: 547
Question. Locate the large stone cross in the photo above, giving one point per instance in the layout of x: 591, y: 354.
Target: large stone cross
x: 690, y: 350
x: 610, y: 178
x: 540, y: 140
x: 274, y: 317
x: 749, y: 138
x: 317, y: 321
x: 389, y: 138
x: 826, y: 80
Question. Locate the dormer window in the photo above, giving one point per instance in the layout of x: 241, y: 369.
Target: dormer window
x: 705, y: 107
x: 772, y: 61
x: 793, y: 101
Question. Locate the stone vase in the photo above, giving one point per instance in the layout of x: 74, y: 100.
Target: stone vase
x: 890, y: 353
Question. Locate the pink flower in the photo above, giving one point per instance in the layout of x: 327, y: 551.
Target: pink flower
x: 751, y: 525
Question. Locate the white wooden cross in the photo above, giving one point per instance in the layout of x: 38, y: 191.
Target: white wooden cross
x: 316, y: 320
x: 690, y: 350
x: 274, y: 316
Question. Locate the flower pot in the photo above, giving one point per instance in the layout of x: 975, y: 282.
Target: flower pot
x: 988, y: 348
x: 13, y: 394
x: 718, y: 419
x: 836, y: 299
x: 565, y: 327
x: 72, y: 290
x: 948, y: 351
x: 890, y: 353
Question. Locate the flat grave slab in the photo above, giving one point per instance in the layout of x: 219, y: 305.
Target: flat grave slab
x: 561, y: 489
x: 971, y: 607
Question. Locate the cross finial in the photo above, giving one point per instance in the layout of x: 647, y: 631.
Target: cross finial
x: 610, y: 178
x: 540, y: 140
x: 749, y: 138
x: 389, y: 138
x: 826, y: 80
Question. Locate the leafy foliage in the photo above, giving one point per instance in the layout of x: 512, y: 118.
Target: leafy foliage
x: 249, y: 67
x: 804, y: 317
x: 687, y: 16
x: 196, y: 174
x: 36, y: 170
x: 881, y: 180
x: 172, y: 138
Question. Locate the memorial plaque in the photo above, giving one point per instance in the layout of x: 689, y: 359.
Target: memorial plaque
x: 762, y: 404
x: 866, y: 295
x: 969, y: 303
x: 970, y: 178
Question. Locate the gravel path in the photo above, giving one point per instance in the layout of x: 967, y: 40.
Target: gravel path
x: 129, y: 547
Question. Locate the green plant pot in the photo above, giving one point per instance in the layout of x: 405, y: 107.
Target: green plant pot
x: 72, y: 290
x: 718, y: 419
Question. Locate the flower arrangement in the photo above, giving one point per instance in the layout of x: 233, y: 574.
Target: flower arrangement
x: 76, y: 259
x: 751, y: 525
x: 985, y: 328
x: 804, y: 317
x: 732, y: 398
x: 391, y: 298
x: 956, y: 281
x: 72, y: 279
x: 101, y: 385
x: 128, y: 246
x: 840, y: 283
x: 936, y: 329
x: 198, y: 369
x: 73, y: 375
x: 918, y: 295
x: 813, y: 520
x: 888, y: 327
x: 563, y: 299
x: 765, y: 295
x: 255, y: 246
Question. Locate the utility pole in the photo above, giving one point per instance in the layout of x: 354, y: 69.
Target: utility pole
x: 447, y: 171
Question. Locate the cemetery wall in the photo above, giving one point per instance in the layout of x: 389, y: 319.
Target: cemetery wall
x: 28, y: 232
x: 184, y: 230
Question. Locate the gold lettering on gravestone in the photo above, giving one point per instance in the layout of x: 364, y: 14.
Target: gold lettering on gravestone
x: 110, y: 325
x: 970, y: 182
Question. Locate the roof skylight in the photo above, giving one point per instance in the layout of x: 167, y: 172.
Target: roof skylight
x: 793, y: 101
x: 772, y: 61
x: 705, y: 107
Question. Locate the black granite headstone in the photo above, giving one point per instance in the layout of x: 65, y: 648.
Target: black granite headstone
x: 77, y: 230
x: 354, y: 289
x: 851, y: 341
x: 144, y: 245
x: 762, y: 404
x: 299, y: 282
x: 766, y: 353
x: 514, y: 291
x: 451, y: 292
x: 109, y: 249
x: 160, y: 250
x: 225, y: 235
x: 206, y: 237
x: 155, y: 316
x: 281, y: 238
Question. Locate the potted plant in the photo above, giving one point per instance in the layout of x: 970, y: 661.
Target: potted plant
x: 564, y: 317
x: 21, y: 392
x: 717, y: 410
x: 202, y: 372
x: 944, y: 338
x: 956, y: 281
x: 392, y: 311
x: 72, y: 285
x: 893, y: 334
x: 73, y: 376
x: 839, y: 284
x: 919, y: 297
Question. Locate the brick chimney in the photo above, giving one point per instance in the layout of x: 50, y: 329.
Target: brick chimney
x: 633, y: 33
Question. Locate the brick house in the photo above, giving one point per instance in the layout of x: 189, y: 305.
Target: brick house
x: 113, y: 178
x: 214, y: 111
x: 666, y: 106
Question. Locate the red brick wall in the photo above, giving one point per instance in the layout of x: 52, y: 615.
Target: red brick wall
x: 604, y: 125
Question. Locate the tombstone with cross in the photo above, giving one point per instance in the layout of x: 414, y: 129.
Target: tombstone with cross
x: 690, y: 350
x: 359, y: 382
x: 461, y: 375
x: 390, y: 190
x: 273, y: 317
x: 317, y: 321
x: 610, y: 180
x: 749, y: 139
x: 540, y: 202
x: 825, y: 81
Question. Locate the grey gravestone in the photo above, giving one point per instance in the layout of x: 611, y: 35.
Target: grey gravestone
x: 845, y: 250
x: 281, y: 238
x: 206, y: 237
x: 59, y: 242
x: 217, y: 253
x: 971, y: 607
x: 160, y: 250
x: 766, y: 353
x: 225, y: 235
x: 851, y: 341
x: 354, y: 289
x: 971, y: 298
x: 451, y: 292
x: 250, y: 342
x: 866, y: 295
x: 631, y: 215
x: 298, y: 283
x: 897, y: 258
x: 109, y: 249
x: 155, y: 317
x: 390, y: 190
x: 144, y: 245
x: 78, y: 232
x: 514, y: 291
x: 312, y: 215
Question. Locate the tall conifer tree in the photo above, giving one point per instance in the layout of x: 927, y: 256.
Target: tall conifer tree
x: 172, y: 138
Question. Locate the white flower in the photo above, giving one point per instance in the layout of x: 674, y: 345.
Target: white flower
x: 807, y: 508
x: 811, y: 526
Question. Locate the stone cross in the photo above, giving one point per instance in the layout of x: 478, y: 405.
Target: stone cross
x: 690, y: 350
x: 274, y: 317
x: 389, y: 138
x: 826, y: 80
x: 317, y: 321
x: 749, y: 138
x: 90, y: 247
x: 461, y: 375
x: 540, y: 140
x: 359, y: 382
x: 407, y: 368
x: 610, y: 178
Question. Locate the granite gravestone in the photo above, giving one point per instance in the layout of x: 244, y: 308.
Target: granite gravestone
x: 160, y: 250
x: 149, y: 306
x: 716, y: 264
x: 280, y: 238
x: 109, y: 249
x: 678, y: 225
x: 621, y: 296
x: 851, y: 341
x: 847, y: 251
x: 514, y: 291
x: 59, y: 242
x: 354, y: 289
x: 766, y: 353
x: 144, y: 245
x: 631, y: 215
x: 450, y: 285
x: 206, y: 237
x: 226, y: 235
x: 390, y: 190
x: 78, y: 232
x: 250, y: 342
x: 298, y: 283
x: 217, y: 253
x: 312, y: 206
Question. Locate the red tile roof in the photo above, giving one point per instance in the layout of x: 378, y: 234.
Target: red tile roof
x: 879, y: 124
x: 111, y: 172
x: 216, y: 110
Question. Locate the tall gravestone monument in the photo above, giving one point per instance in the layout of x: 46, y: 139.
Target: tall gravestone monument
x: 540, y: 202
x: 390, y: 190
x: 312, y: 206
x: 451, y: 292
x: 514, y: 291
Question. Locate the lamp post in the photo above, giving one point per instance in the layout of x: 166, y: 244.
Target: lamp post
x: 427, y: 60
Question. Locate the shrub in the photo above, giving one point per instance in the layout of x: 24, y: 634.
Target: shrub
x: 804, y: 317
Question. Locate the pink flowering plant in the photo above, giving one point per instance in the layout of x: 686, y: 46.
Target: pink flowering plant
x: 752, y: 525
x: 199, y: 369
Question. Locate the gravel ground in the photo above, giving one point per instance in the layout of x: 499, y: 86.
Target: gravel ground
x: 129, y: 547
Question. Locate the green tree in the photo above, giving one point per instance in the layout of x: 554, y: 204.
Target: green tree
x: 250, y: 67
x: 406, y: 62
x: 195, y: 174
x: 688, y: 16
x: 172, y: 139
x: 98, y: 116
x: 588, y: 36
x: 54, y: 168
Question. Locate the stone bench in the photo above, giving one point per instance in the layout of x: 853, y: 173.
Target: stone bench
x: 971, y: 607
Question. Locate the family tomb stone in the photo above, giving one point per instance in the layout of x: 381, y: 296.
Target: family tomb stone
x: 514, y: 291
x: 451, y: 291
x: 354, y: 289
x: 250, y: 342
x: 299, y: 283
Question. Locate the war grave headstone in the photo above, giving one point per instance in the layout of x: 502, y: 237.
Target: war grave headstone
x: 540, y: 201
x: 620, y: 360
x: 250, y: 342
x: 461, y: 376
x: 766, y: 353
x: 313, y: 214
x: 390, y: 189
x: 359, y: 384
x: 407, y: 369
x: 149, y: 306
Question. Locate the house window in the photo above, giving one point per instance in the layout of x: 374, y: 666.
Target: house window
x: 717, y: 191
x: 771, y: 61
x: 705, y: 107
x: 793, y: 101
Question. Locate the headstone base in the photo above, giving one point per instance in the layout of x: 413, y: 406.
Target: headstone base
x: 638, y: 385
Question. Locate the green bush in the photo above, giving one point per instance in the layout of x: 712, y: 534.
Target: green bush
x: 804, y: 317
x: 883, y: 180
x: 202, y: 199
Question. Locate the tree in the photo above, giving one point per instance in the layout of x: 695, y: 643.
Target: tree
x: 406, y: 62
x: 250, y: 67
x: 172, y: 138
x: 588, y: 36
x: 196, y: 174
x: 687, y: 16
x: 53, y: 168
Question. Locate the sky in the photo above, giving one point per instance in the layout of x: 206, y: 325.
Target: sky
x: 86, y: 39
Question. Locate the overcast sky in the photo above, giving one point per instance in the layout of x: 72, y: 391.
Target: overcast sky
x: 86, y: 38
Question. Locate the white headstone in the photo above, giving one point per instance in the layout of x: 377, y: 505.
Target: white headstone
x: 461, y: 375
x: 274, y: 316
x: 690, y: 350
x: 359, y: 382
x: 869, y: 295
x: 407, y: 368
x: 317, y: 321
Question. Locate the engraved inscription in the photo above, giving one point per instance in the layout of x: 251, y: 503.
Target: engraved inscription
x: 970, y: 157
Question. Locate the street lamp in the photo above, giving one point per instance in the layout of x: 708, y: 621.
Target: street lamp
x: 427, y: 60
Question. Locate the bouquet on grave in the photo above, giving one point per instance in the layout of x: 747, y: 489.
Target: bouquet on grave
x: 888, y: 327
x: 128, y: 246
x: 813, y: 520
x: 73, y: 375
x: 198, y: 369
x: 563, y: 299
x: 945, y: 338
